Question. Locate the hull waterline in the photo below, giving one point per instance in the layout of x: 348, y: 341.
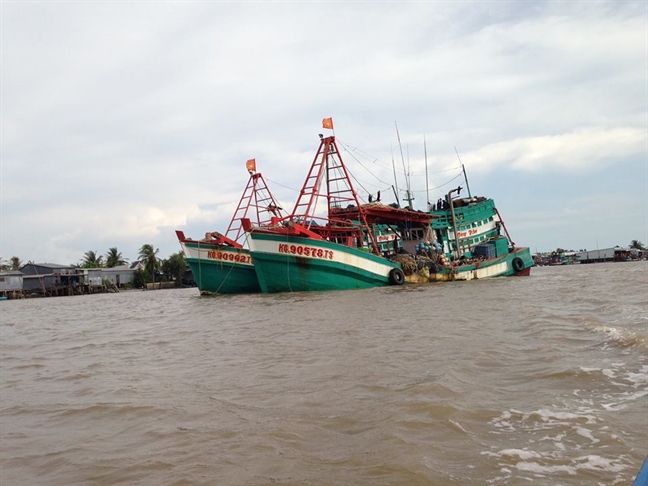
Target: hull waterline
x: 295, y: 264
x: 518, y: 263
x: 221, y: 270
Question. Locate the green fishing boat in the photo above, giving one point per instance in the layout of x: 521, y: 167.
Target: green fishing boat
x: 464, y: 239
x: 474, y: 241
x: 221, y: 263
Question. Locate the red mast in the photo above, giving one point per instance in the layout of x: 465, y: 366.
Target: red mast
x: 328, y: 167
x: 256, y: 204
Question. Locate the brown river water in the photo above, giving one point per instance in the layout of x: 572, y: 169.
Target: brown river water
x: 540, y: 380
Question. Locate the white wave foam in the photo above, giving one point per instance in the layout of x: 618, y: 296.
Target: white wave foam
x: 582, y: 431
x: 458, y: 425
x: 536, y: 468
x: 574, y: 429
x: 521, y: 453
x: 550, y: 416
x: 608, y: 373
x: 621, y: 400
x: 545, y: 464
x: 623, y: 337
x: 623, y: 378
x: 639, y: 378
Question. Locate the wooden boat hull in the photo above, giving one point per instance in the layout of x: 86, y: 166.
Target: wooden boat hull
x: 287, y: 263
x: 220, y: 270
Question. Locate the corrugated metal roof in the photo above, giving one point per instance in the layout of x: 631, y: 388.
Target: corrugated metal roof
x: 119, y: 268
x: 50, y: 265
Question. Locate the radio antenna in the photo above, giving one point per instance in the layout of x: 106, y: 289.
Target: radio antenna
x: 464, y: 173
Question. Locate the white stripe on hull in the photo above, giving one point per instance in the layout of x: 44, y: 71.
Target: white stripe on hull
x: 306, y: 249
x: 212, y: 254
x: 486, y: 272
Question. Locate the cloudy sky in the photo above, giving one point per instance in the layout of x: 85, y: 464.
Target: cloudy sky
x: 123, y: 121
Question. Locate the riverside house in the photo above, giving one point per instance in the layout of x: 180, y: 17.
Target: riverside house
x: 52, y: 279
x: 11, y: 282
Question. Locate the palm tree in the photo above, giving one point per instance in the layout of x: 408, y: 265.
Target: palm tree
x: 147, y: 255
x: 636, y: 244
x: 15, y: 263
x: 114, y: 258
x: 91, y: 260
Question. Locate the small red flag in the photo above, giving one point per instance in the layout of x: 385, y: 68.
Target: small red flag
x: 327, y: 123
x: 250, y: 165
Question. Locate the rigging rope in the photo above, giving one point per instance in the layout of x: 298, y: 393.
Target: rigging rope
x: 350, y: 151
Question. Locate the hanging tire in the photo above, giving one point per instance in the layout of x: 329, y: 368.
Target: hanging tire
x: 396, y: 276
x: 518, y: 264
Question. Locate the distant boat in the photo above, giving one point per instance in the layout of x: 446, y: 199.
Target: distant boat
x: 562, y: 259
x: 219, y: 262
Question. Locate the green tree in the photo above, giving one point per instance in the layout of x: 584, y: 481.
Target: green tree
x: 637, y: 245
x: 140, y: 279
x: 114, y: 258
x: 148, y: 256
x: 174, y: 267
x: 91, y: 260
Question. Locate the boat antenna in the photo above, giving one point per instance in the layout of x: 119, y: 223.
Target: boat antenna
x: 409, y: 192
x: 427, y: 188
x: 395, y: 179
x: 464, y: 173
x: 409, y: 178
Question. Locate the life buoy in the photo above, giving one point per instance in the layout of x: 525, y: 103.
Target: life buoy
x: 396, y: 276
x: 518, y: 264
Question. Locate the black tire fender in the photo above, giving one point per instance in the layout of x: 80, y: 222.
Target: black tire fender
x: 396, y: 276
x: 518, y: 264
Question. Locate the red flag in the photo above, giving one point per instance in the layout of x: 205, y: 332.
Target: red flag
x: 327, y: 123
x: 250, y: 165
